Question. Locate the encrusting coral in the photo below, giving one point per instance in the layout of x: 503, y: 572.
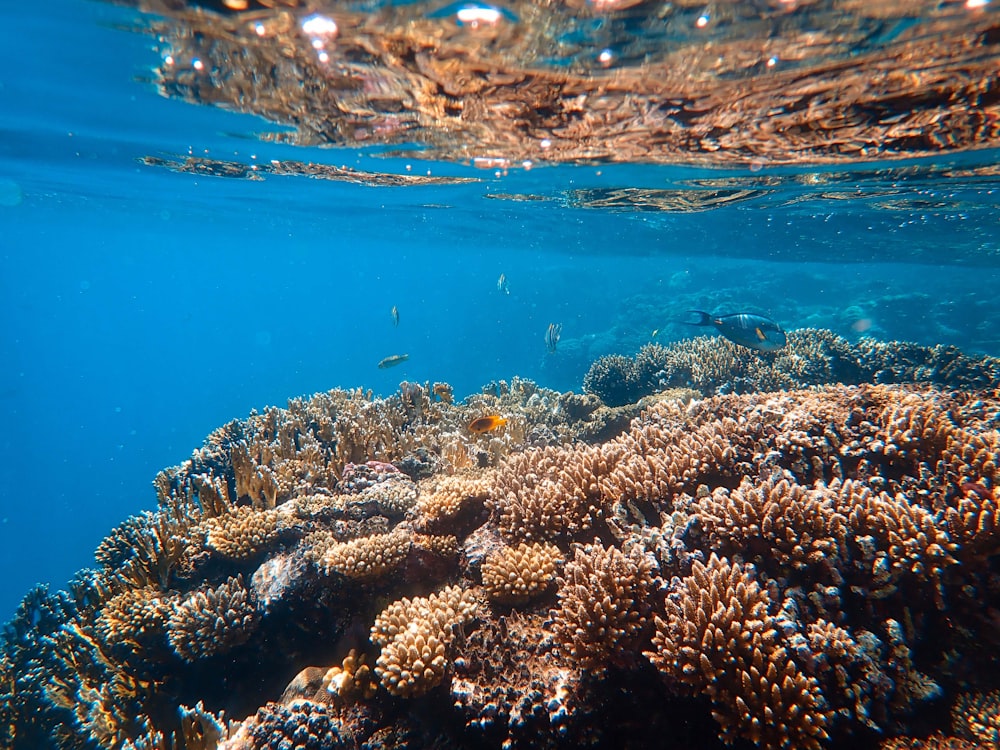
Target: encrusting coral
x: 799, y: 568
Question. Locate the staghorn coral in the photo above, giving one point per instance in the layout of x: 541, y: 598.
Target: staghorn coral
x: 212, y: 620
x: 605, y: 599
x: 414, y: 635
x: 367, y: 558
x: 976, y: 716
x: 515, y: 575
x: 718, y: 638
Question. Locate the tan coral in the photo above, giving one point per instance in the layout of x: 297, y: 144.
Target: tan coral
x: 441, y: 500
x: 213, y: 620
x: 415, y: 634
x: 718, y: 639
x: 442, y: 545
x: 134, y: 619
x: 367, y: 558
x: 351, y: 681
x: 797, y: 526
x: 515, y: 575
x: 665, y: 452
x: 604, y: 603
x: 244, y: 532
x: 976, y: 716
x: 934, y: 742
x: 894, y: 535
x: 550, y: 493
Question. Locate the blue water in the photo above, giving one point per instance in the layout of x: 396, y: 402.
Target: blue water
x: 141, y: 308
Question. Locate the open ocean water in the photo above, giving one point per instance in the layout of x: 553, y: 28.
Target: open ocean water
x: 162, y: 275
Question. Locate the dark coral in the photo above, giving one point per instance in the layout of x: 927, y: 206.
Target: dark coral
x: 812, y: 357
x: 302, y: 725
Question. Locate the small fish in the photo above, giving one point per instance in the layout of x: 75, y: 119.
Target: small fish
x: 392, y: 361
x: 395, y: 315
x: 485, y: 424
x: 552, y: 336
x: 502, y: 284
x: 745, y: 329
x: 655, y: 333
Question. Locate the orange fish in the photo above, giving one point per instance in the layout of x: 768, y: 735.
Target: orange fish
x: 485, y: 424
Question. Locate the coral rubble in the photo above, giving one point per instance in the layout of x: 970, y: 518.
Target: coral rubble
x: 810, y: 568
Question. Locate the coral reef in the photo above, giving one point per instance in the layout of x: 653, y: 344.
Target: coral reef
x: 812, y: 568
x: 712, y: 364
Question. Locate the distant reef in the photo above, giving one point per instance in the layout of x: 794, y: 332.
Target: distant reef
x: 713, y: 365
x: 796, y: 550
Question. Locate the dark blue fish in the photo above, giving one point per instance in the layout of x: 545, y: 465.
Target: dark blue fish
x: 745, y: 329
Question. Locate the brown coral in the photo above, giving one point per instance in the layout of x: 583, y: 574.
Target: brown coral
x: 515, y: 575
x: 441, y: 500
x: 797, y: 526
x: 351, y: 680
x: 414, y: 635
x: 134, y: 620
x: 551, y: 493
x: 367, y: 558
x: 604, y: 603
x: 719, y: 639
x: 893, y: 535
x: 243, y: 532
x: 213, y: 620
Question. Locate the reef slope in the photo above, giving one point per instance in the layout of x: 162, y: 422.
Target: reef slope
x: 814, y: 567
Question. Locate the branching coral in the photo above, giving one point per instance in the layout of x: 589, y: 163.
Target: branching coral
x: 303, y: 724
x: 212, y: 620
x: 367, y: 558
x: 551, y: 493
x: 797, y: 526
x: 831, y: 557
x: 414, y: 635
x: 442, y: 500
x: 718, y: 638
x: 515, y: 575
x: 605, y: 598
x: 244, y: 532
x: 352, y: 680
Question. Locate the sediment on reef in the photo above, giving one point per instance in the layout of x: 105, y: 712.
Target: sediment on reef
x: 811, y: 567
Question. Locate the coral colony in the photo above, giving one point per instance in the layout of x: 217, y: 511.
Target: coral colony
x: 709, y: 547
